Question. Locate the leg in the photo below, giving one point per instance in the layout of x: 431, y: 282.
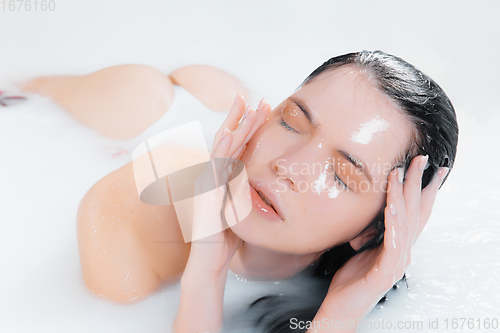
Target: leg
x: 119, y: 102
x: 211, y: 86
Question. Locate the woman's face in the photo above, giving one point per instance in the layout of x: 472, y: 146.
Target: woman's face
x: 322, y: 161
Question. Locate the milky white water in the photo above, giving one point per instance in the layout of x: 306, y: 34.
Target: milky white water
x: 48, y: 161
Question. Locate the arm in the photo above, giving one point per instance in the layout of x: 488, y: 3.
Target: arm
x: 203, y: 281
x: 358, y: 286
x: 202, y: 286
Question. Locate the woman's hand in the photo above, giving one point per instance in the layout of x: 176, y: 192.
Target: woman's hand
x: 215, y: 252
x: 358, y: 286
x: 203, y: 281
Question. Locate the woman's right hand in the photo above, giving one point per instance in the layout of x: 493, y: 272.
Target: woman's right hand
x: 203, y: 281
x: 213, y: 253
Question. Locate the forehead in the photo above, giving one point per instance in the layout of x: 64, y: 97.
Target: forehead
x: 354, y: 116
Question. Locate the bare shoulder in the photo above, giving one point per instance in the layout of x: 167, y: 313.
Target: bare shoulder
x: 213, y: 87
x: 119, y: 102
x: 127, y: 248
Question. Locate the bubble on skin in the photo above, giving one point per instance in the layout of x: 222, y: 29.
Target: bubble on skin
x: 319, y: 145
x: 393, y: 237
x: 366, y: 131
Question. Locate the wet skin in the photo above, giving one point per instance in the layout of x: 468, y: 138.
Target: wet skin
x: 305, y: 164
x: 339, y: 103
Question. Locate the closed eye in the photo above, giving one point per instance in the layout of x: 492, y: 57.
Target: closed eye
x: 340, y: 182
x: 336, y: 177
x: 288, y: 127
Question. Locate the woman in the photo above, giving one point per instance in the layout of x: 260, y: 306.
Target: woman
x: 326, y: 169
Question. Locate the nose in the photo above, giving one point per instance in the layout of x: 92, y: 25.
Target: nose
x: 282, y: 168
x: 299, y: 166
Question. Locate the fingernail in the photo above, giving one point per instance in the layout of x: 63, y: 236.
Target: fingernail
x: 423, y: 162
x: 225, y: 133
x: 261, y: 104
x: 401, y: 175
x: 443, y: 172
x: 236, y: 98
x: 247, y: 111
x: 392, y: 209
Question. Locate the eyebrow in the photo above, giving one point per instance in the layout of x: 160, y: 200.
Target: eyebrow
x: 351, y: 158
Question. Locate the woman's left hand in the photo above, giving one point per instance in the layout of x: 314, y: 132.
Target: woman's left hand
x: 362, y: 281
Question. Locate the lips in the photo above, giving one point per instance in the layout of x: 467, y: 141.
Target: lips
x: 265, y: 202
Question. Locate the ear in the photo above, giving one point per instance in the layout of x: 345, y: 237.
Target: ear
x: 363, y: 238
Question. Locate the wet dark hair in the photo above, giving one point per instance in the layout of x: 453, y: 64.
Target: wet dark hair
x: 436, y: 134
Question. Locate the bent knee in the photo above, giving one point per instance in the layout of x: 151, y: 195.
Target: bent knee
x: 213, y: 87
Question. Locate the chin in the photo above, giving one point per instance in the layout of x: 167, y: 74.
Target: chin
x: 260, y: 233
x: 248, y: 229
x: 251, y: 231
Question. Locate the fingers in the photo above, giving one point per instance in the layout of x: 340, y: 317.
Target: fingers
x: 243, y: 129
x: 241, y: 125
x: 408, y: 209
x: 232, y: 119
x: 221, y: 150
x: 235, y: 113
x: 243, y: 122
x: 412, y: 193
x: 393, y: 261
x: 219, y: 154
x: 248, y: 128
x: 427, y: 199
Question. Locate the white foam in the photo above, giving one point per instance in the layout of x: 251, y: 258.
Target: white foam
x: 319, y: 184
x: 367, y: 130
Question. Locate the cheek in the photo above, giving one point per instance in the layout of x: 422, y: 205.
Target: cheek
x: 330, y: 214
x: 332, y: 222
x: 263, y: 146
